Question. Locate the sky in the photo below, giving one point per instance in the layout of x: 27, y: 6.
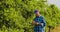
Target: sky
x: 56, y: 2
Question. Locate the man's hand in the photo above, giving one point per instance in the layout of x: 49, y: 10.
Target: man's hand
x: 40, y: 24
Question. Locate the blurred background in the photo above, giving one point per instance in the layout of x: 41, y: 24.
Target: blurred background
x: 17, y: 15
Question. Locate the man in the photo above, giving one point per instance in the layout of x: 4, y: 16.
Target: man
x: 39, y: 22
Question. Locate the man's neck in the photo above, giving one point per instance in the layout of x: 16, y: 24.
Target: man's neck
x: 38, y: 16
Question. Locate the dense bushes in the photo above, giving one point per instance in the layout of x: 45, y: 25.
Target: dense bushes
x: 17, y: 15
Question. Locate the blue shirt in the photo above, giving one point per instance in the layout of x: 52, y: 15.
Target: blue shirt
x: 39, y: 19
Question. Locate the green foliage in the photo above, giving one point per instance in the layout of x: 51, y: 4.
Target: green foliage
x: 17, y: 15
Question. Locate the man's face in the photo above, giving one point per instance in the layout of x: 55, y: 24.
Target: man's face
x: 37, y: 14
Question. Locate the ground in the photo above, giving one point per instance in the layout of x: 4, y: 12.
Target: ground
x: 57, y: 29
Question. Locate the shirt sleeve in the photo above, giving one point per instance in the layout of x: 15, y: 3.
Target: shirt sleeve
x: 44, y: 22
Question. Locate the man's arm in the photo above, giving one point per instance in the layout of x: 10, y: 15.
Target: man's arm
x: 44, y: 22
x: 34, y: 23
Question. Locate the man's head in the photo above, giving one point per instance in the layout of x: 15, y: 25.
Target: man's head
x: 37, y: 13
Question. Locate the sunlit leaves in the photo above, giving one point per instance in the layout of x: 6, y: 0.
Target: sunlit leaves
x: 17, y: 15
